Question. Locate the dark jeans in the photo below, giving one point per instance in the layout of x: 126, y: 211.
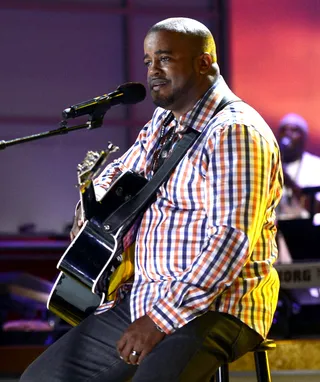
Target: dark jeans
x: 193, y: 353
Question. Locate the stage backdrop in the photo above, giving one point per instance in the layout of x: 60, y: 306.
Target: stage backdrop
x: 58, y: 53
x: 275, y: 48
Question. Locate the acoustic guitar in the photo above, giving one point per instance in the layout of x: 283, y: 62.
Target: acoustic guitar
x: 95, y: 254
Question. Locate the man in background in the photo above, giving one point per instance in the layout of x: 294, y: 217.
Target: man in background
x: 301, y: 169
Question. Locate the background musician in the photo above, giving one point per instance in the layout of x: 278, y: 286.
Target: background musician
x: 301, y: 169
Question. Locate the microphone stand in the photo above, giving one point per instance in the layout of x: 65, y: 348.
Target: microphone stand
x: 95, y: 120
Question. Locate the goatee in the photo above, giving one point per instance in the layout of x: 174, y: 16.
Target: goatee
x: 163, y: 102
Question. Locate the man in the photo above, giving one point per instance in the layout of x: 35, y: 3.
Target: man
x: 204, y: 289
x: 301, y: 168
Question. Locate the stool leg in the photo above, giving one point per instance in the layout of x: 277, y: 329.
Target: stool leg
x: 262, y: 366
x: 222, y: 374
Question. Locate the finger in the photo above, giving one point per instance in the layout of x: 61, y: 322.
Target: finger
x: 76, y: 228
x: 125, y: 354
x: 126, y: 351
x: 134, y: 357
x: 142, y: 356
x: 121, y: 344
x: 73, y: 233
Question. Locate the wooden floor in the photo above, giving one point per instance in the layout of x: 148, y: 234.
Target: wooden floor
x: 289, y: 355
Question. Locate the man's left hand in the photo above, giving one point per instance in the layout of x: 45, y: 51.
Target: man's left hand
x: 138, y: 340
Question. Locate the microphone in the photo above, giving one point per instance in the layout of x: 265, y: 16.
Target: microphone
x: 285, y: 142
x: 128, y: 93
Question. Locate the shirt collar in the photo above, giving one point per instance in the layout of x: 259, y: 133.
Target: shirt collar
x: 199, y: 116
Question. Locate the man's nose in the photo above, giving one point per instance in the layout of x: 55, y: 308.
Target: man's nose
x: 154, y: 68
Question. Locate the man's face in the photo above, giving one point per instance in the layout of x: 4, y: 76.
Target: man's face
x: 172, y: 76
x: 292, y: 142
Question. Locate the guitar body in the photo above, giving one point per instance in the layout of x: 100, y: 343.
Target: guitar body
x: 71, y: 300
x: 92, y: 257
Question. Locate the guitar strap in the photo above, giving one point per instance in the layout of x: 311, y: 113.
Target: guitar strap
x: 129, y: 210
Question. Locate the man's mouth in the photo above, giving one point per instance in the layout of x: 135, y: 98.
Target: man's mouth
x: 156, y: 85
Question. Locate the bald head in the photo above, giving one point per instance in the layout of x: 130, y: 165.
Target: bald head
x: 180, y: 57
x: 203, y: 40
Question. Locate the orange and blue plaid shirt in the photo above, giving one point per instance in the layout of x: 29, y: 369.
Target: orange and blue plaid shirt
x: 208, y: 240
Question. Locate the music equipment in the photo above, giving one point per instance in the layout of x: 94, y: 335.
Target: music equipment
x: 24, y: 288
x: 299, y: 275
x: 302, y: 239
x: 128, y: 93
x: 94, y: 255
x: 300, y: 282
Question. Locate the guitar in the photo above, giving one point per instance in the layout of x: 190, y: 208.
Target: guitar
x: 87, y: 265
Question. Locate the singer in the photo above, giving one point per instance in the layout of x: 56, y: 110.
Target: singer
x: 204, y: 289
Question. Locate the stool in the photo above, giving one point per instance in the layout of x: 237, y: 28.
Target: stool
x: 260, y: 360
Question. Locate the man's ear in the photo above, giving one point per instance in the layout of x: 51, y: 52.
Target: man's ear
x: 205, y: 62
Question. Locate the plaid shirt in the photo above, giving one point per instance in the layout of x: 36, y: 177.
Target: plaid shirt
x: 208, y: 241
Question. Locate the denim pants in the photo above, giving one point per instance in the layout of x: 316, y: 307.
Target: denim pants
x: 193, y: 353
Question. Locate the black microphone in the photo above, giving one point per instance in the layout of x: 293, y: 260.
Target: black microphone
x: 128, y: 93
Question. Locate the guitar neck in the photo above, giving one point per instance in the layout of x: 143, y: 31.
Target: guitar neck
x: 90, y: 167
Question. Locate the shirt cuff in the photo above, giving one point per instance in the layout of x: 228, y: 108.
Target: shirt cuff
x: 167, y: 319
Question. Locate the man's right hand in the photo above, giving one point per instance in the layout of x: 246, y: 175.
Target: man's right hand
x: 77, y: 223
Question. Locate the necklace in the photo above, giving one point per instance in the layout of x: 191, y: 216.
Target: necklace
x: 165, y: 143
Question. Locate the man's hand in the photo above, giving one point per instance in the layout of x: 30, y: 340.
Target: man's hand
x: 138, y: 340
x: 77, y: 223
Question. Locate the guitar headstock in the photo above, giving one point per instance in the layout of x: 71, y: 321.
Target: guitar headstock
x: 92, y: 164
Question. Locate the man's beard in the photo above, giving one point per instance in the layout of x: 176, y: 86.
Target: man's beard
x: 176, y: 97
x: 167, y: 102
x: 163, y: 102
